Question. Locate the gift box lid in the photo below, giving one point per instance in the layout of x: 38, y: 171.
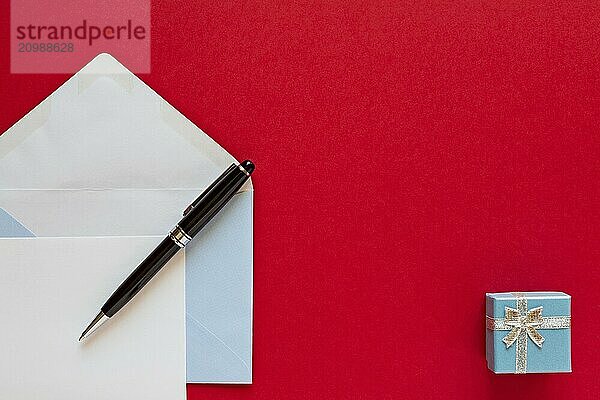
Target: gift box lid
x: 560, y: 303
x: 551, y: 353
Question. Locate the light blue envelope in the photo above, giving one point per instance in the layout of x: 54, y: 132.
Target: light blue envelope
x: 104, y: 155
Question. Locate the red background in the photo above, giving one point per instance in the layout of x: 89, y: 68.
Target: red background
x: 410, y: 157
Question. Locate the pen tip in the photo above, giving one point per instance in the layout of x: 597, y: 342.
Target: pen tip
x: 95, y: 324
x: 248, y: 166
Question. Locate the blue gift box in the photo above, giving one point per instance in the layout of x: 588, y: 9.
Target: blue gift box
x: 528, y: 332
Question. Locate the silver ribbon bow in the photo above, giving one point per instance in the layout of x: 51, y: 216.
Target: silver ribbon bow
x: 522, y: 323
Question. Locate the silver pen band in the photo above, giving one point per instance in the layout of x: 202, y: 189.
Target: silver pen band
x: 179, y: 236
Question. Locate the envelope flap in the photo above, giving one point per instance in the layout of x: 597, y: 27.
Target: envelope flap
x: 105, y: 128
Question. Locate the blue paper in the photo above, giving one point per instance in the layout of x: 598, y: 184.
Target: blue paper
x: 10, y: 227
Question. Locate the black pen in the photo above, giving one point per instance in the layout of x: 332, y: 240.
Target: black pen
x: 195, y: 217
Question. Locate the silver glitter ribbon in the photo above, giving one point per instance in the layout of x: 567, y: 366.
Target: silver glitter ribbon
x: 522, y: 323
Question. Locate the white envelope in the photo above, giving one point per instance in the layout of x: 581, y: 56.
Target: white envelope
x: 49, y: 286
x: 104, y: 155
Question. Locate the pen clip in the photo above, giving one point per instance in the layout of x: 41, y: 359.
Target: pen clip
x: 188, y: 209
x: 232, y: 167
